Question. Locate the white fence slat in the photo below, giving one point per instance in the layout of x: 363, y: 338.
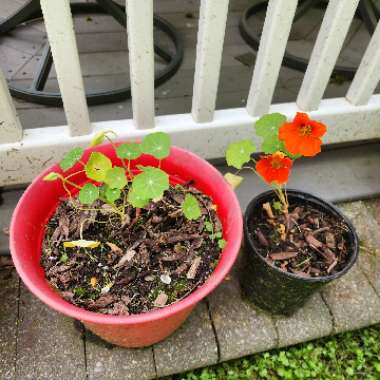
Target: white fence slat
x: 368, y: 74
x: 141, y: 58
x: 10, y: 127
x: 20, y: 162
x: 212, y: 26
x: 278, y: 22
x: 331, y: 36
x: 60, y: 30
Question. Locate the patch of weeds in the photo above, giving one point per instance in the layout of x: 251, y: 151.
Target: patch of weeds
x: 352, y: 355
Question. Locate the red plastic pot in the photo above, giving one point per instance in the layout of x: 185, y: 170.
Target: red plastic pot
x: 39, y: 202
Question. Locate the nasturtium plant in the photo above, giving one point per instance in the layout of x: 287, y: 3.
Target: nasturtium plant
x: 120, y: 186
x: 239, y: 153
x: 71, y: 158
x: 157, y: 144
x: 282, y: 143
x: 190, y: 207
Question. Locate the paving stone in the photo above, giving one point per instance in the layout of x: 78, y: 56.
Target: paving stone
x: 240, y: 327
x: 365, y: 215
x: 364, y: 221
x: 192, y: 346
x: 374, y: 207
x: 8, y: 323
x: 310, y: 322
x: 369, y: 262
x: 105, y: 361
x: 49, y: 347
x: 352, y: 301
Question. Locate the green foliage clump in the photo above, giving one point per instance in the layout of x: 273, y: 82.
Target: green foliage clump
x: 111, y: 183
x: 352, y: 355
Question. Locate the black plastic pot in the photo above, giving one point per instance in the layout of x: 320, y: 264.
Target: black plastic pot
x: 268, y: 286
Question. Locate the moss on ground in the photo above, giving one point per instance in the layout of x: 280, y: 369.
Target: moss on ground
x: 352, y: 355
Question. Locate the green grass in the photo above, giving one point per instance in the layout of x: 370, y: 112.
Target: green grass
x: 352, y: 355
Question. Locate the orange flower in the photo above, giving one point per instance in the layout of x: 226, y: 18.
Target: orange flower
x: 274, y: 168
x: 302, y: 135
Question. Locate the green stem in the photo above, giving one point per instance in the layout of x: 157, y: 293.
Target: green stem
x: 115, y: 148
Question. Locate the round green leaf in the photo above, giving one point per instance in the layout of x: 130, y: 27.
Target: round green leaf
x: 267, y: 127
x: 115, y: 178
x: 239, y: 153
x: 151, y: 183
x: 112, y: 194
x: 71, y: 158
x: 98, y: 166
x: 157, y: 144
x: 136, y: 200
x: 51, y: 177
x: 88, y: 194
x: 190, y: 207
x: 129, y: 151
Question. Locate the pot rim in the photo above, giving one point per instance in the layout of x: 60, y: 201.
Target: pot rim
x: 230, y: 254
x: 313, y: 198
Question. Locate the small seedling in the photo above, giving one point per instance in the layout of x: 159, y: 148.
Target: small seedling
x: 119, y: 186
x: 282, y: 143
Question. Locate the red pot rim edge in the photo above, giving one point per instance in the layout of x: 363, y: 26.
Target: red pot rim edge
x: 217, y: 276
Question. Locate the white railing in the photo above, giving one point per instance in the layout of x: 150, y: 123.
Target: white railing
x: 23, y: 153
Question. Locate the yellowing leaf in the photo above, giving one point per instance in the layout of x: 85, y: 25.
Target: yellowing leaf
x: 52, y: 176
x: 233, y: 180
x: 97, y: 166
x: 81, y: 244
x: 93, y: 282
x: 100, y: 136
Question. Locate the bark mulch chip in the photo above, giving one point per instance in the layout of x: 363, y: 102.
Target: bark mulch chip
x: 154, y: 258
x: 305, y: 241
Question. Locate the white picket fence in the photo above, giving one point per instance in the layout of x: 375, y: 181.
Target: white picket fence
x: 24, y: 152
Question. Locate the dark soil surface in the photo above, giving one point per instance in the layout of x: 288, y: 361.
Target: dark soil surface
x: 155, y: 258
x: 305, y: 241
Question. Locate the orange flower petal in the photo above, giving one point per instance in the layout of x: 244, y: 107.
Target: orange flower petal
x: 318, y: 130
x: 310, y: 146
x: 274, y: 172
x: 301, y: 118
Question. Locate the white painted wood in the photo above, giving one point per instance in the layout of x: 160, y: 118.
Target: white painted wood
x: 141, y: 58
x: 21, y: 162
x: 10, y: 127
x: 334, y: 28
x: 278, y: 21
x: 368, y: 74
x: 212, y: 26
x: 60, y: 30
